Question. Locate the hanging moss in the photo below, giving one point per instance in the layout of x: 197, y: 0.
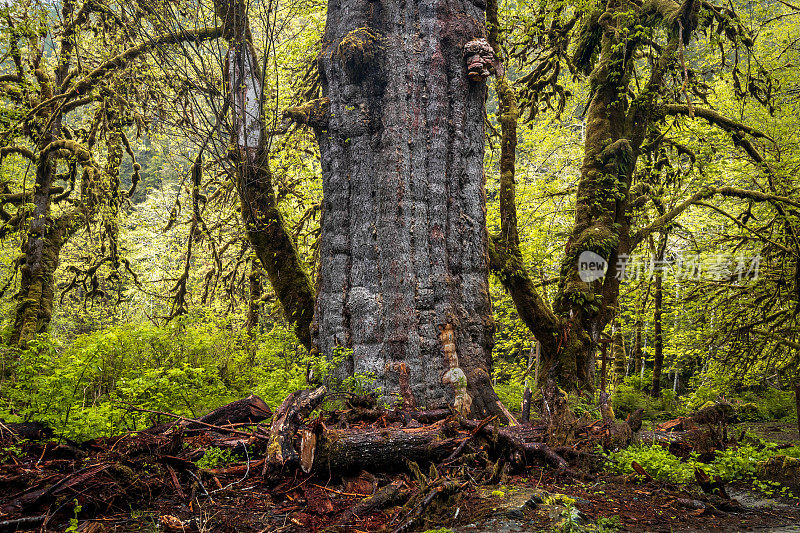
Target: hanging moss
x: 589, y: 38
x: 314, y: 113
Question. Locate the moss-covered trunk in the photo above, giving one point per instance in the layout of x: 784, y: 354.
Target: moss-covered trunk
x: 600, y: 224
x: 40, y: 249
x: 35, y: 297
x: 274, y: 246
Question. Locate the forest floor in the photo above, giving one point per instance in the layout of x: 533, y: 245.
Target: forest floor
x: 152, y: 482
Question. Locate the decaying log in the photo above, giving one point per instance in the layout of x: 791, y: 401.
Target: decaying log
x: 251, y: 409
x: 286, y: 422
x: 386, y: 496
x: 387, y: 449
x: 24, y: 430
x: 718, y: 414
x: 248, y: 410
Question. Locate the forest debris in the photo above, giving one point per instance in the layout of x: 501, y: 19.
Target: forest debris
x: 133, y: 470
x: 251, y: 410
x: 176, y: 483
x: 519, y: 438
x: 317, y: 500
x: 24, y: 430
x: 441, y: 488
x: 380, y: 449
x: 782, y: 469
x: 173, y: 523
x: 286, y: 422
x: 29, y: 522
x: 308, y: 447
x: 384, y: 497
x: 671, y: 425
x: 709, y: 486
x: 235, y: 470
x: 247, y: 410
x: 641, y: 471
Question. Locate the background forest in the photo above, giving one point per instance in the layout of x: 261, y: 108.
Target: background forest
x: 158, y: 300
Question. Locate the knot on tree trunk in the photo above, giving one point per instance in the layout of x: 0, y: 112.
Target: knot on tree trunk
x: 314, y: 113
x: 360, y: 52
x: 480, y: 59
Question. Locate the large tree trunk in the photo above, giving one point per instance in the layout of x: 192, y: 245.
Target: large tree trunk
x: 404, y: 265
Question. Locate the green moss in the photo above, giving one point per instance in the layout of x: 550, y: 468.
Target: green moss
x: 359, y: 52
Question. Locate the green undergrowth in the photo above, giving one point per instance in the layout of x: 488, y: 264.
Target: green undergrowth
x: 732, y: 464
x: 215, y: 457
x: 188, y: 367
x: 757, y: 403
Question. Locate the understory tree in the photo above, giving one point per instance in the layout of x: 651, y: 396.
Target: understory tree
x: 68, y: 108
x: 645, y: 71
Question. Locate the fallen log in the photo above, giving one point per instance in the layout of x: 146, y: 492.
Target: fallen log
x: 247, y: 410
x: 387, y: 449
x: 717, y: 414
x: 386, y: 496
x: 24, y: 430
x: 250, y: 410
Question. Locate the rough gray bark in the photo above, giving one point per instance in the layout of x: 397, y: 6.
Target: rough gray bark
x: 404, y: 265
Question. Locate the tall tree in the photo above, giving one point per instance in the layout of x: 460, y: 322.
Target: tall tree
x: 274, y: 246
x: 403, y: 258
x: 634, y: 56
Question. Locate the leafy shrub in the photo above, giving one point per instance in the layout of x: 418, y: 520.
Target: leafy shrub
x: 656, y: 460
x: 627, y: 398
x: 187, y: 367
x: 775, y: 404
x: 215, y: 457
x: 730, y: 464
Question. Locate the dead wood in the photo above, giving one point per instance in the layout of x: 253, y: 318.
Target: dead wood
x: 441, y: 488
x: 29, y: 522
x: 710, y: 486
x: 250, y: 410
x: 24, y: 430
x: 521, y: 438
x: 286, y: 422
x: 380, y: 449
x: 386, y: 496
x: 247, y: 410
x: 641, y: 471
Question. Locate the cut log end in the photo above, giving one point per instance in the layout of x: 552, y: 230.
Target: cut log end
x: 308, y: 446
